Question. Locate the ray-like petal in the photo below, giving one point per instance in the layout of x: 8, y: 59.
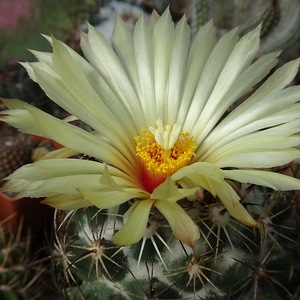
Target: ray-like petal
x: 270, y: 138
x: 176, y: 71
x: 42, y: 65
x: 163, y: 34
x: 170, y: 192
x: 268, y: 106
x: 229, y: 198
x: 67, y: 202
x: 202, y: 168
x: 59, y: 153
x: 208, y: 79
x: 63, y: 133
x: 183, y: 227
x: 83, y: 80
x: 66, y: 185
x: 241, y: 86
x: 108, y: 65
x: 188, y: 184
x: 62, y: 92
x: 288, y: 119
x: 42, y: 184
x: 21, y: 119
x: 240, y: 58
x: 252, y: 143
x: 227, y: 195
x: 144, y: 63
x: 133, y: 230
x: 258, y: 159
x: 45, y: 57
x: 122, y: 34
x: 269, y: 179
x: 211, y: 178
x: 88, y: 112
x: 68, y: 177
x: 48, y: 169
x: 167, y: 189
x: 276, y: 82
x: 184, y: 193
x: 108, y: 181
x: 107, y: 198
x: 47, y: 37
x: 197, y: 58
x: 154, y: 18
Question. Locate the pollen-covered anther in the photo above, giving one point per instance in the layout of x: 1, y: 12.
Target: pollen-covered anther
x: 163, y: 150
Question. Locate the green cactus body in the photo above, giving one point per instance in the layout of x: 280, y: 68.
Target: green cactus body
x: 280, y: 19
x: 231, y: 260
x: 19, y: 275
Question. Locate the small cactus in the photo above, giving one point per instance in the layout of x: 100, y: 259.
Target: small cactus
x: 19, y: 150
x: 280, y: 19
x: 20, y: 276
x: 14, y: 153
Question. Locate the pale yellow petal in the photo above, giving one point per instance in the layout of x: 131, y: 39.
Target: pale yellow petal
x: 67, y: 202
x: 183, y: 227
x: 106, y: 198
x: 133, y: 230
x: 264, y: 178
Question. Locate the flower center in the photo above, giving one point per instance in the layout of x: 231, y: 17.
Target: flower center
x: 163, y: 150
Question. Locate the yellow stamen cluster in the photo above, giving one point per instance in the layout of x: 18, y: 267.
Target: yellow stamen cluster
x: 158, y: 162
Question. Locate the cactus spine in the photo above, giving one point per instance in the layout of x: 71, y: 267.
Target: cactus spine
x: 20, y: 274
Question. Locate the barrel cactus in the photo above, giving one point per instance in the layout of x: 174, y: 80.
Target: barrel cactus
x: 231, y: 261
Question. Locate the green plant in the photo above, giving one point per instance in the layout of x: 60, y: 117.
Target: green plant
x: 279, y: 19
x: 230, y: 261
x: 20, y: 275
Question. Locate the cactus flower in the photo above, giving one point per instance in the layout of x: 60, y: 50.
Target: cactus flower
x: 158, y: 105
